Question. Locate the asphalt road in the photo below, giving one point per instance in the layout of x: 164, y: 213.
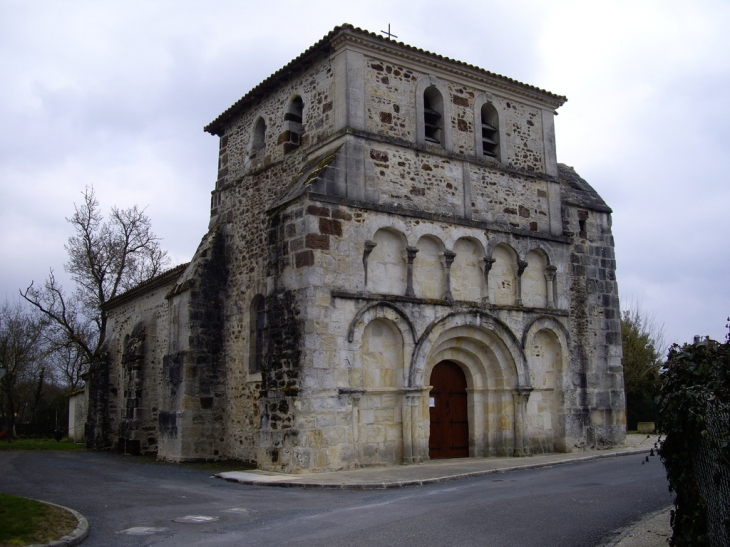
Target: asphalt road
x: 132, y: 502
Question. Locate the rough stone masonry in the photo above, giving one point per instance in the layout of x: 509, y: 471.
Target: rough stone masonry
x: 396, y: 269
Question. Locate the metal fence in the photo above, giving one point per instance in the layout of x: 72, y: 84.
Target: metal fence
x: 711, y: 467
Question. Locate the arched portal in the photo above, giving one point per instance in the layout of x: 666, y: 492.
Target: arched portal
x: 497, y: 382
x: 449, y: 433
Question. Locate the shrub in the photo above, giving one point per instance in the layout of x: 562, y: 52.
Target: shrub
x: 692, y: 406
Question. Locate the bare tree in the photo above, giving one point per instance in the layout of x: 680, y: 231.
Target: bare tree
x: 642, y: 338
x: 21, y: 355
x: 106, y: 258
x: 68, y: 363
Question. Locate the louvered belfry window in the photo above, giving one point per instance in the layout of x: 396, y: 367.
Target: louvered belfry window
x: 433, y: 116
x: 490, y: 131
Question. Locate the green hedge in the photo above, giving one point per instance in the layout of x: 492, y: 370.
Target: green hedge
x: 694, y: 382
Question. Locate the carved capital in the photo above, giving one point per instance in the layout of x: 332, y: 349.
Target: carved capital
x: 449, y: 258
x: 521, y: 266
x: 522, y: 394
x: 369, y: 246
x: 412, y: 251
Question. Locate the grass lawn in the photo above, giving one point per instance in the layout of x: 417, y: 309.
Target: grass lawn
x: 25, y: 522
x: 39, y: 444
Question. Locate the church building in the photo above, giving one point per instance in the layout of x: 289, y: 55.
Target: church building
x: 396, y: 269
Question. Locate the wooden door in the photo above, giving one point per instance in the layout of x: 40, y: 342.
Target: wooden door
x: 449, y: 436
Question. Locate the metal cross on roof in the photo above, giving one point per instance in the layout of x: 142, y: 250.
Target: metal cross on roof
x: 388, y: 33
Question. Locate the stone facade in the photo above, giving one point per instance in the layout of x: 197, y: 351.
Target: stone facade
x: 379, y: 211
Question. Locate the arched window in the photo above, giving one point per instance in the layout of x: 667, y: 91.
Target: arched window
x: 429, y: 274
x: 490, y: 130
x: 534, y: 281
x: 433, y: 115
x: 258, y: 142
x: 467, y: 277
x: 257, y: 322
x: 387, y: 269
x: 292, y: 136
x: 503, y: 276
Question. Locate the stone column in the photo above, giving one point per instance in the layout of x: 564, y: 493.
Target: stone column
x: 407, y: 431
x: 409, y: 279
x: 476, y: 399
x: 369, y: 246
x: 449, y: 260
x: 411, y: 452
x: 418, y: 455
x: 488, y: 263
x: 354, y: 393
x: 355, y: 417
x: 521, y: 265
x: 550, y: 279
x: 521, y: 396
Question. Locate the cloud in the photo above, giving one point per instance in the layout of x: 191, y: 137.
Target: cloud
x: 115, y: 95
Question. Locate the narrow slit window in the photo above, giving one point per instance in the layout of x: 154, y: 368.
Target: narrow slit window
x: 433, y: 116
x: 490, y: 131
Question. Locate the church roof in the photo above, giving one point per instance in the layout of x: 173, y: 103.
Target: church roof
x: 165, y: 278
x: 576, y: 191
x: 325, y: 45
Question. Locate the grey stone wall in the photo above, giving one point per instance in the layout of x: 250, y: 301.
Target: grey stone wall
x: 129, y: 379
x: 192, y: 417
x: 596, y: 329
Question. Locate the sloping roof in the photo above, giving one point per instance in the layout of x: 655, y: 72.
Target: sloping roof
x: 192, y: 271
x: 324, y: 46
x: 313, y: 172
x: 165, y: 278
x: 576, y: 191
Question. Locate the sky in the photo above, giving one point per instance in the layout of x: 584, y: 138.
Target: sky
x: 115, y: 94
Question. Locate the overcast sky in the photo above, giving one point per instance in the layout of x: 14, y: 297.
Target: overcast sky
x: 115, y: 95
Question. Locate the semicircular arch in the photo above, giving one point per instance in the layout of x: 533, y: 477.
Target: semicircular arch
x: 456, y: 328
x: 462, y: 232
x: 542, y: 249
x: 494, y: 241
x: 550, y: 323
x: 382, y: 310
x: 390, y: 224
